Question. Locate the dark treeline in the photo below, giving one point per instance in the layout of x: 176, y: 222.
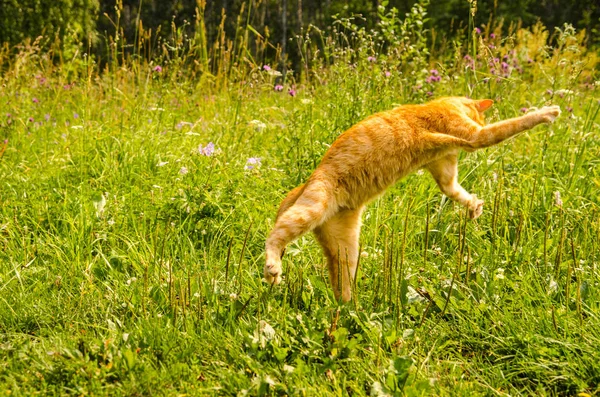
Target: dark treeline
x: 94, y: 22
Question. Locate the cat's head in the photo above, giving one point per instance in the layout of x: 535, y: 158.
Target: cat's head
x: 473, y: 108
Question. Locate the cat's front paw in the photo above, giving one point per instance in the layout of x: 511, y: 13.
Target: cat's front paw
x: 272, y: 271
x: 549, y: 113
x: 475, y: 207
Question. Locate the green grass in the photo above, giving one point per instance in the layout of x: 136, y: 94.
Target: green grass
x: 122, y: 274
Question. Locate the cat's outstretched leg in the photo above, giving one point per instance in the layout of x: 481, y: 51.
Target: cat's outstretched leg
x: 339, y: 237
x: 311, y: 206
x: 495, y: 133
x: 445, y: 173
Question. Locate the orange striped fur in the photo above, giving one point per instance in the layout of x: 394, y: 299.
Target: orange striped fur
x: 373, y: 155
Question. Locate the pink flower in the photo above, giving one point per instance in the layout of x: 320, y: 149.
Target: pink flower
x: 292, y: 92
x: 35, y: 100
x: 278, y: 88
x: 371, y: 59
x: 158, y: 69
x: 266, y: 67
x: 524, y: 110
x: 477, y: 30
x: 387, y: 73
x: 492, y: 35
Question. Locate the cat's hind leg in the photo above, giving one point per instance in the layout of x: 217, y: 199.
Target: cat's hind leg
x: 339, y: 237
x: 445, y: 173
x: 301, y: 211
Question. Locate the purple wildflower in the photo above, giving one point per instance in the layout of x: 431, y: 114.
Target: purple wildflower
x: 292, y: 92
x: 266, y: 67
x: 30, y: 119
x: 252, y: 162
x: 183, y: 170
x: 477, y: 30
x: 35, y: 100
x: 429, y: 93
x: 207, y: 150
x: 569, y: 109
x: 75, y: 115
x: 158, y: 69
x: 278, y: 88
x: 371, y: 59
x: 492, y: 35
x: 524, y: 110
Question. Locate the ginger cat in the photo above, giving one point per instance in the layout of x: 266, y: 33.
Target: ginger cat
x: 371, y: 156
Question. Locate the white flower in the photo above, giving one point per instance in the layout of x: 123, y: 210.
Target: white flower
x: 552, y: 287
x: 183, y: 171
x: 499, y: 274
x: 162, y: 163
x: 306, y: 101
x: 265, y: 333
x: 99, y: 204
x: 258, y: 125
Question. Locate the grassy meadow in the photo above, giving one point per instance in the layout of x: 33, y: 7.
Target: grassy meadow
x: 135, y: 198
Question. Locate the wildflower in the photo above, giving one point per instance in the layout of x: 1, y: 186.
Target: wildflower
x: 75, y: 115
x: 492, y: 35
x: 306, y: 101
x: 552, y: 287
x: 162, y: 163
x: 99, y: 204
x: 477, y: 31
x: 524, y: 110
x: 252, y: 162
x: 266, y: 329
x: 292, y: 92
x: 429, y: 93
x: 182, y: 123
x: 158, y: 69
x: 30, y: 119
x: 278, y: 88
x: 499, y: 274
x: 46, y: 117
x: 557, y: 200
x: 485, y: 80
x: 6, y: 141
x: 371, y: 59
x: 35, y: 100
x: 569, y: 109
x: 387, y: 73
x: 183, y: 171
x: 266, y: 67
x: 208, y: 150
x: 258, y: 125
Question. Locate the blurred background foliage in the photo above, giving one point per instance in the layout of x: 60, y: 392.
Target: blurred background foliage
x: 144, y: 27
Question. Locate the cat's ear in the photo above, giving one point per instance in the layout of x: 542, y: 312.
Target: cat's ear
x: 484, y: 104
